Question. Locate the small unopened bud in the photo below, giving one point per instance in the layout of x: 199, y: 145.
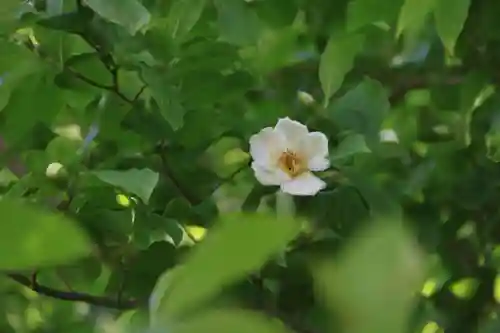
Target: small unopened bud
x: 53, y: 169
x: 389, y: 135
x: 305, y: 98
x: 123, y: 200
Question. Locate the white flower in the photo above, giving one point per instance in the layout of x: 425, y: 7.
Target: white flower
x: 286, y: 154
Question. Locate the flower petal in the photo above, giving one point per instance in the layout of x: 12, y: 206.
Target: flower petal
x: 269, y: 176
x: 318, y: 163
x: 315, y: 147
x: 266, y: 146
x: 305, y: 184
x: 293, y: 131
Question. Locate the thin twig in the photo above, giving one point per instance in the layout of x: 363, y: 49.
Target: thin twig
x: 107, y: 302
x: 170, y: 174
x: 93, y: 83
x: 139, y: 93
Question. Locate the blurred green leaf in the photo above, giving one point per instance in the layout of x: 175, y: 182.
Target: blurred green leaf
x: 251, y: 240
x: 230, y: 321
x: 337, y: 60
x: 37, y: 237
x: 382, y: 268
x: 450, y: 16
x: 131, y: 14
x: 140, y: 182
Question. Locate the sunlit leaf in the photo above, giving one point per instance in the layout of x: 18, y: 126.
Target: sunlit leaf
x: 230, y: 321
x: 464, y: 288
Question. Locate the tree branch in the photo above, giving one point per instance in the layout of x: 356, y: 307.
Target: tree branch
x: 107, y: 302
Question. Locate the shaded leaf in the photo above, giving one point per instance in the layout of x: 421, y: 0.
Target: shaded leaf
x: 238, y: 23
x: 166, y: 96
x: 362, y: 110
x: 183, y: 16
x: 337, y: 60
x: 351, y: 145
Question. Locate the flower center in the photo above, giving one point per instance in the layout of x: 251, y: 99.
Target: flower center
x: 291, y: 163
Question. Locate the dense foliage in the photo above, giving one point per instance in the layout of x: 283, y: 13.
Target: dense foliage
x: 128, y: 201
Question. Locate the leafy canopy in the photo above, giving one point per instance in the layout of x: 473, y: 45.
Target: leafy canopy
x: 127, y: 197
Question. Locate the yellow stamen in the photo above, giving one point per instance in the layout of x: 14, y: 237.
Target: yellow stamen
x: 292, y: 164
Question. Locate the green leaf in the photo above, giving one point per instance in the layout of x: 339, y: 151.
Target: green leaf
x: 413, y: 15
x: 140, y: 182
x: 166, y: 96
x: 90, y: 66
x: 337, y: 60
x: 183, y: 16
x: 238, y: 23
x: 130, y: 14
x: 20, y: 110
x: 37, y: 237
x: 363, y: 12
x: 380, y: 269
x: 492, y: 140
x: 379, y: 199
x: 230, y: 321
x: 63, y: 150
x: 450, y: 16
x: 362, y: 110
x: 16, y: 62
x: 9, y: 9
x: 250, y: 239
x: 4, y: 96
x: 54, y: 7
x: 353, y: 144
